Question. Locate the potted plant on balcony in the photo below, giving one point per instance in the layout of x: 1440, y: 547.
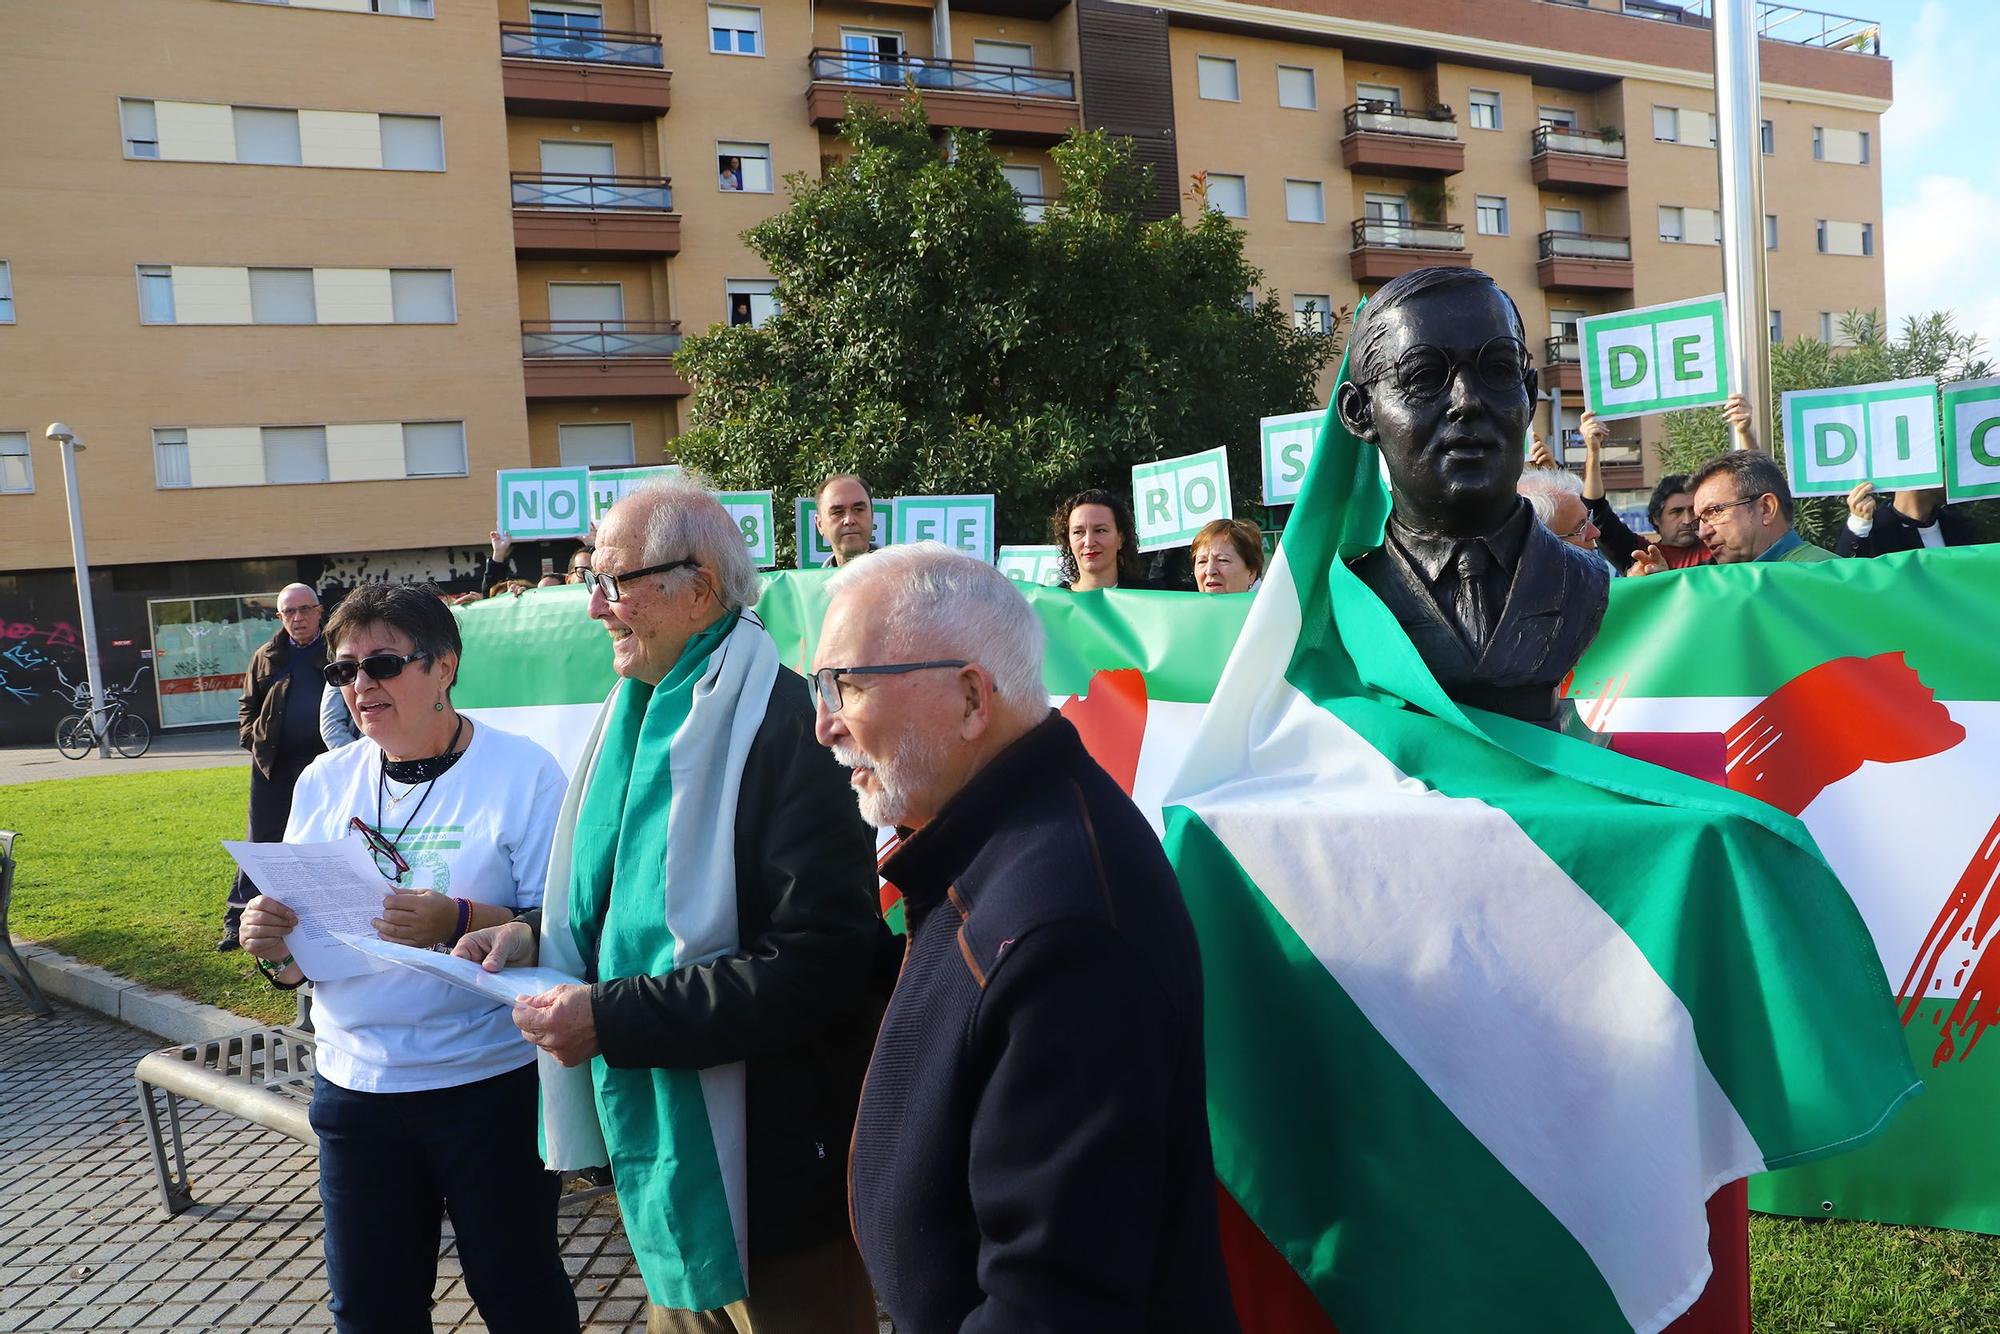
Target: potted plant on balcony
x: 1611, y: 134
x: 1430, y: 200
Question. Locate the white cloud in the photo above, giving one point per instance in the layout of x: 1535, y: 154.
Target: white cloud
x: 1939, y: 254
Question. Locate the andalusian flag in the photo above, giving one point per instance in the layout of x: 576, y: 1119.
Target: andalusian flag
x: 1492, y: 1012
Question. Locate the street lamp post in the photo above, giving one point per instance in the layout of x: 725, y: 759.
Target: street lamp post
x: 67, y: 442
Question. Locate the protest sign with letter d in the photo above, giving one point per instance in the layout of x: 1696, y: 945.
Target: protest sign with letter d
x: 1656, y: 359
x: 1882, y: 433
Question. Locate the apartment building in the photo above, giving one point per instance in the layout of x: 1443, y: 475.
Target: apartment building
x: 304, y: 275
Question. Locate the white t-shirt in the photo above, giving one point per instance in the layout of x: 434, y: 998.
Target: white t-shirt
x: 483, y: 834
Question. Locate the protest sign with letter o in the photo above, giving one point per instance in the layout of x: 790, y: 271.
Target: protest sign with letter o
x: 1173, y: 498
x: 1032, y: 565
x: 1972, y: 439
x: 751, y: 512
x: 1656, y: 358
x: 964, y: 522
x: 536, y: 503
x: 1882, y: 433
x: 1288, y: 443
x: 813, y: 552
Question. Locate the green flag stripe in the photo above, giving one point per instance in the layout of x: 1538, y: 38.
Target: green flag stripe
x: 1316, y: 1117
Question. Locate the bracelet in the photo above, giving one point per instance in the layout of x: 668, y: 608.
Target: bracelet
x: 464, y: 921
x: 271, y: 970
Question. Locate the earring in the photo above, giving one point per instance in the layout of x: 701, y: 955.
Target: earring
x: 438, y: 707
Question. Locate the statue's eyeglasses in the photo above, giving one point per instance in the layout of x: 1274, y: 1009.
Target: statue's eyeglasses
x: 1423, y: 372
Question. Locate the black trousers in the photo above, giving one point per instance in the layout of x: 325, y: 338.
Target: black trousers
x: 270, y: 810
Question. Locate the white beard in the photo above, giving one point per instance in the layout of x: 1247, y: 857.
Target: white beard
x: 898, y: 777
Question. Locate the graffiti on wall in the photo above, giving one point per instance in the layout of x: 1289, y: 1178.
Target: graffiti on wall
x: 437, y: 565
x: 28, y: 659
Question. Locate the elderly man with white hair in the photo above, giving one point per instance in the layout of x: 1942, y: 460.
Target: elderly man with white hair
x: 1556, y: 494
x: 717, y: 893
x: 1032, y: 1147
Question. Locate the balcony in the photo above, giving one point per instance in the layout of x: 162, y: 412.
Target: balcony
x: 601, y: 359
x: 1562, y: 362
x: 1034, y: 207
x: 601, y: 73
x: 1384, y: 249
x: 615, y: 217
x: 1582, y: 262
x: 1585, y: 163
x: 1017, y: 103
x: 1382, y: 139
x: 1622, y: 461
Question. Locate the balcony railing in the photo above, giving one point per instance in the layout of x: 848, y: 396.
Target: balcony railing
x: 1409, y: 235
x: 933, y: 73
x: 1795, y: 23
x: 1034, y: 206
x: 566, y: 190
x: 596, y: 46
x: 1558, y: 139
x: 1373, y: 117
x: 1561, y: 349
x: 602, y: 339
x: 1584, y: 245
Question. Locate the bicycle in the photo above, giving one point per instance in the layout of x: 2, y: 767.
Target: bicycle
x: 77, y: 734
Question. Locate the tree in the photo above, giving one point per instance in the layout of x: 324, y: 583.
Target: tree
x: 1928, y: 346
x: 930, y: 338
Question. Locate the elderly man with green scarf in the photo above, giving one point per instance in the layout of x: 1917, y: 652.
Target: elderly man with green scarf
x: 715, y: 887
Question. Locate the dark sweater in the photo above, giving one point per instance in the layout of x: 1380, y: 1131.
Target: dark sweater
x: 1896, y: 531
x: 1032, y: 1150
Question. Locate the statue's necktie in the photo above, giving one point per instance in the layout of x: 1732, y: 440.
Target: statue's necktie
x: 1469, y: 607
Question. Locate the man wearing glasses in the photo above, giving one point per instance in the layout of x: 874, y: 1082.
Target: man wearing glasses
x: 278, y: 722
x: 1498, y: 607
x: 1744, y: 508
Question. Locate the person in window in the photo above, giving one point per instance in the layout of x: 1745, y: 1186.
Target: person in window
x: 729, y: 173
x: 1099, y: 546
x: 739, y: 310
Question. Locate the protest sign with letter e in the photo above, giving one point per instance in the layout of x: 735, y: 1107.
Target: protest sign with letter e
x: 1032, y: 565
x: 1882, y: 433
x: 962, y: 522
x: 1174, y: 498
x: 813, y: 551
x: 752, y: 514
x: 1656, y: 359
x: 1288, y: 443
x: 1972, y: 440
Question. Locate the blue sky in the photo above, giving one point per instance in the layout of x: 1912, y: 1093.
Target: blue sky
x: 1941, y: 158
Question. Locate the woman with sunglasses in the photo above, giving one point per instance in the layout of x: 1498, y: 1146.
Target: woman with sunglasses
x: 426, y: 1097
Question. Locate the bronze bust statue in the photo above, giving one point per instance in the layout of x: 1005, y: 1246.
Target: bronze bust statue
x: 1499, y: 608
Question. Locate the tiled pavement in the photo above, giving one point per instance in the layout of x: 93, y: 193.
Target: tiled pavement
x: 83, y: 1244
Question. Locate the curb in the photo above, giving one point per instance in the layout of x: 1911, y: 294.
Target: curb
x: 161, y: 1013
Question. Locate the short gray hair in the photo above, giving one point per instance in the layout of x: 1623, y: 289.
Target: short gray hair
x: 943, y: 603
x: 1544, y: 486
x: 683, y: 519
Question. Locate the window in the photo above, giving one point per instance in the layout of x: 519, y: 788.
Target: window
x: 412, y: 143
x: 567, y: 16
x: 1305, y: 201
x: 1379, y: 92
x: 743, y: 166
x: 6, y: 292
x: 295, y: 454
x: 409, y: 9
x: 1777, y: 328
x: 1558, y: 117
x: 1767, y: 138
x: 17, y: 467
x: 735, y: 30
x: 1826, y: 329
x: 751, y: 301
x: 1695, y: 226
x: 1312, y: 312
x: 1384, y: 208
x: 423, y: 296
x: 142, y: 135
x: 1846, y: 238
x: 1867, y: 238
x: 282, y: 296
x: 156, y: 294
x: 1849, y: 147
x: 1216, y: 77
x: 1490, y: 212
x: 1562, y: 219
x: 267, y: 135
x: 170, y: 457
x: 1014, y: 55
x: 1670, y: 224
x: 1684, y: 125
x: 434, y: 449
x: 1770, y: 231
x: 596, y: 445
x: 1485, y: 110
x: 1227, y: 196
x: 1298, y: 88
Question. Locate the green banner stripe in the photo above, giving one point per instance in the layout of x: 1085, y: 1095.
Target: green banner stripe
x: 1745, y: 630
x: 1339, y: 1151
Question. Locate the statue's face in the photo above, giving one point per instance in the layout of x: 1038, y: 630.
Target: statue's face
x: 1454, y: 454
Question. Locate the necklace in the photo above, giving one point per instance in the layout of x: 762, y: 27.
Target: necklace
x: 422, y: 775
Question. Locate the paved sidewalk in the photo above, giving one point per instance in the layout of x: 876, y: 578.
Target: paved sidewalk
x: 83, y: 1244
x: 170, y: 750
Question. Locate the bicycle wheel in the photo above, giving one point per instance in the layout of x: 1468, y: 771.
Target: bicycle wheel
x: 75, y: 737
x: 131, y: 735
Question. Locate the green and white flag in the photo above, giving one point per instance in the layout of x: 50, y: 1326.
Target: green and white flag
x: 1491, y: 1012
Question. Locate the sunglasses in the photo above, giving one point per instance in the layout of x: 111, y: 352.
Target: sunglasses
x: 379, y: 666
x: 387, y: 860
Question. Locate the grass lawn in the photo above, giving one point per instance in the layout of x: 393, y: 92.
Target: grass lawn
x: 125, y: 872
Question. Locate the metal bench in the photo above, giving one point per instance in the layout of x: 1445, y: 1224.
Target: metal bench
x: 264, y: 1075
x: 15, y: 969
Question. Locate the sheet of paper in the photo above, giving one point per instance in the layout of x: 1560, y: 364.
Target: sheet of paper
x: 333, y: 887
x: 502, y: 988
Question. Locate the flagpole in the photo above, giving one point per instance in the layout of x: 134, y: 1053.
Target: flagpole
x: 1740, y: 165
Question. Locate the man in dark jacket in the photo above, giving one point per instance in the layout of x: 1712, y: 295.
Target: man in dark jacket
x: 1032, y: 1149
x: 277, y: 721
x: 1913, y: 520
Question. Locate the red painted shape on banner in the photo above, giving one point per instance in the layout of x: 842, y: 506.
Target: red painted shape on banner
x: 1696, y: 754
x: 1269, y: 1295
x: 1111, y: 719
x: 1965, y: 922
x: 1821, y: 726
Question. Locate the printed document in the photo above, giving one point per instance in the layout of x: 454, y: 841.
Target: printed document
x: 333, y: 887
